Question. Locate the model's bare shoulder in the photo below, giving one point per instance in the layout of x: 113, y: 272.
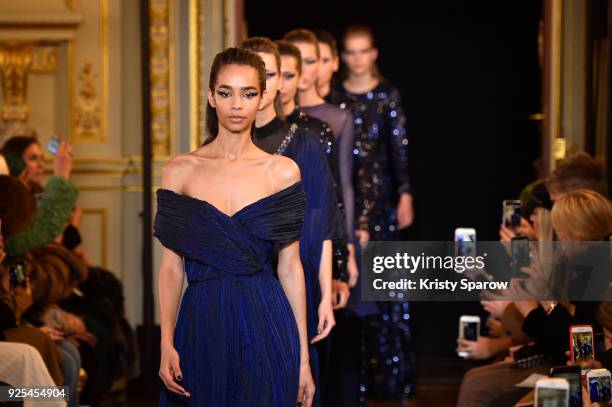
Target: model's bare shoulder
x: 285, y: 171
x: 176, y: 170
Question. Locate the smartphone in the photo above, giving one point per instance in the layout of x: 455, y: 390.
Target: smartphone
x: 465, y: 242
x: 511, y: 209
x: 469, y: 329
x: 53, y: 144
x: 598, y: 381
x: 552, y: 391
x: 581, y: 343
x: 521, y: 256
x: 572, y: 375
x: 17, y: 276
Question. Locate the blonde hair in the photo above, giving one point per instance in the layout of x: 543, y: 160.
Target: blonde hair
x: 582, y: 215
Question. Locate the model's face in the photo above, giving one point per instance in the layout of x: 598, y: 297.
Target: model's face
x: 272, y: 79
x: 35, y: 164
x: 310, y: 65
x: 236, y: 97
x: 359, y: 55
x: 328, y: 64
x: 289, y: 79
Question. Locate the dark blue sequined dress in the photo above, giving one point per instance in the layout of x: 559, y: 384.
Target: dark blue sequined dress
x: 380, y: 175
x: 235, y: 334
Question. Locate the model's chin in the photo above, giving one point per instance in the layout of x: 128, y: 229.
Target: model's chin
x: 237, y: 127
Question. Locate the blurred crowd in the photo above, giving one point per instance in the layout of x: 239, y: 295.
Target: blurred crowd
x: 62, y: 317
x: 529, y: 335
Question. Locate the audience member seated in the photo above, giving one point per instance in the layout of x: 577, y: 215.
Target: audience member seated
x: 581, y: 215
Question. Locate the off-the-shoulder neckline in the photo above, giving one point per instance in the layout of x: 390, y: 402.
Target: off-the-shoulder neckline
x: 244, y: 208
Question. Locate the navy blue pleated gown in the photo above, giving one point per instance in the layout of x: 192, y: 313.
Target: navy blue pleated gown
x: 236, y: 334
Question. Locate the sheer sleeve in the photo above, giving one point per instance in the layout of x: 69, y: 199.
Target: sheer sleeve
x: 399, y: 142
x: 345, y: 162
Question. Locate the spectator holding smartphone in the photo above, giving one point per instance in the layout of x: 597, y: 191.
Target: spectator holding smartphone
x: 48, y: 221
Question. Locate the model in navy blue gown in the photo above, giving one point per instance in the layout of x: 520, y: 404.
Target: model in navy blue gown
x: 236, y: 333
x: 240, y: 336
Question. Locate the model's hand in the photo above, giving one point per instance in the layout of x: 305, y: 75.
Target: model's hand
x: 306, y: 389
x: 351, y: 267
x: 363, y: 236
x: 405, y: 211
x: 326, y: 320
x: 340, y: 294
x: 170, y: 371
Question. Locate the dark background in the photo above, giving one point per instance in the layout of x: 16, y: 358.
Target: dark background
x: 469, y: 76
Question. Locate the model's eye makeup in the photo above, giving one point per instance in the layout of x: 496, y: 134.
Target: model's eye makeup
x: 310, y: 61
x: 270, y: 74
x: 223, y: 93
x: 250, y: 94
x: 288, y: 75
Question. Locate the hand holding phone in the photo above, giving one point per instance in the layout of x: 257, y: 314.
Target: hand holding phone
x: 598, y: 383
x: 469, y: 329
x: 62, y: 164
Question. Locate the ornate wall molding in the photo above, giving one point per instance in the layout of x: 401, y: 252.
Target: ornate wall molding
x: 15, y: 63
x: 161, y: 18
x: 89, y: 79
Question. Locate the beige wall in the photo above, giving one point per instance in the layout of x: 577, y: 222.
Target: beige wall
x: 97, y: 76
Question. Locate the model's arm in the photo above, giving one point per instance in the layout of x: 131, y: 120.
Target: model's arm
x: 399, y: 160
x: 326, y: 310
x: 169, y: 293
x: 291, y: 276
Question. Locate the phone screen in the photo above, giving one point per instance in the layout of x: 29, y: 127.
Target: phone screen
x: 582, y: 346
x: 470, y: 331
x: 17, y: 275
x: 512, y: 213
x: 551, y: 397
x: 599, y: 388
x: 575, y: 387
x: 520, y: 253
x: 53, y: 145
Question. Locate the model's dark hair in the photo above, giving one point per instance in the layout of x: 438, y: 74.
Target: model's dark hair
x: 267, y: 46
x: 303, y: 35
x: 288, y: 49
x: 231, y: 56
x: 326, y: 38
